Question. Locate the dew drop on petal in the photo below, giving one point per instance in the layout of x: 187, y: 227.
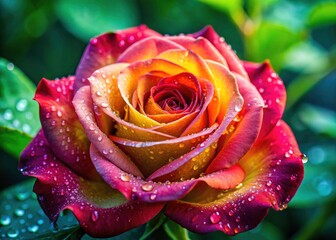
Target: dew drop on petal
x: 304, y: 158
x: 152, y: 197
x: 215, y: 217
x: 147, y: 187
x: 238, y: 108
x: 95, y: 216
x: 125, y: 177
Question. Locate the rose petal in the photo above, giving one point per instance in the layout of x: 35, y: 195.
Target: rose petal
x: 61, y: 126
x: 172, y: 169
x: 105, y: 49
x: 148, y: 191
x: 274, y: 171
x: 272, y: 90
x: 100, y: 210
x: 201, y: 46
x: 243, y: 130
x: 231, y: 58
x: 146, y: 49
x: 84, y: 109
x: 128, y: 85
x: 151, y: 155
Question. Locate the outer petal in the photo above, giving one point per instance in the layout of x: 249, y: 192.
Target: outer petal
x: 100, y: 210
x: 61, y: 126
x: 274, y: 171
x: 242, y: 131
x: 272, y: 90
x: 149, y: 191
x: 201, y: 47
x: 105, y: 49
x: 84, y: 108
x: 231, y: 58
x: 147, y: 48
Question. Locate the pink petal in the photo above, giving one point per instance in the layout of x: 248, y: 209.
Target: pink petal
x: 146, y: 49
x: 272, y: 90
x: 105, y: 49
x: 201, y: 46
x: 84, y: 109
x: 61, y: 126
x: 172, y: 169
x: 100, y: 210
x: 231, y: 58
x: 243, y: 130
x: 274, y: 171
x: 148, y: 191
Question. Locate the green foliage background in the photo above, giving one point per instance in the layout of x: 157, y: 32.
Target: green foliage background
x: 47, y: 38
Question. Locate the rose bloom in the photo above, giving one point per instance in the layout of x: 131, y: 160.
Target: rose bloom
x: 172, y: 124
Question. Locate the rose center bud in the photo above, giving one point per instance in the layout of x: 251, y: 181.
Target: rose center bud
x: 177, y: 94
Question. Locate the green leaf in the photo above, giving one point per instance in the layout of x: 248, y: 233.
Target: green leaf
x: 320, y: 120
x: 18, y: 112
x: 67, y: 233
x: 175, y: 231
x: 271, y: 41
x: 86, y: 19
x: 22, y: 217
x: 226, y: 6
x: 152, y: 225
x: 322, y: 14
x: 306, y: 57
x: 13, y: 141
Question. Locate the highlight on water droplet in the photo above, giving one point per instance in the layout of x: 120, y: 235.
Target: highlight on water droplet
x: 5, y: 220
x: 147, y: 187
x: 304, y: 158
x: 95, y: 216
x: 21, y: 105
x: 215, y: 217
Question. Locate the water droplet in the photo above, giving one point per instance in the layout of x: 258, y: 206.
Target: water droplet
x: 13, y: 233
x: 33, y: 228
x: 292, y: 177
x: 125, y: 177
x: 21, y: 105
x: 19, y: 212
x: 21, y: 196
x: 5, y: 220
x: 10, y: 66
x: 26, y: 128
x: 95, y: 216
x: 59, y: 113
x: 269, y: 183
x: 152, y: 197
x: 278, y: 187
x: 100, y: 138
x: 104, y: 105
x: 195, y: 167
x: 238, y: 108
x: 304, y: 158
x: 147, y: 187
x: 181, y: 145
x: 215, y: 217
x: 8, y: 114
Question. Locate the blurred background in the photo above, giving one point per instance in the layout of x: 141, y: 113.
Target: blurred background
x: 47, y: 38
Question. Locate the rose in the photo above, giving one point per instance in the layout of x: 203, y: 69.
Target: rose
x: 156, y: 123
